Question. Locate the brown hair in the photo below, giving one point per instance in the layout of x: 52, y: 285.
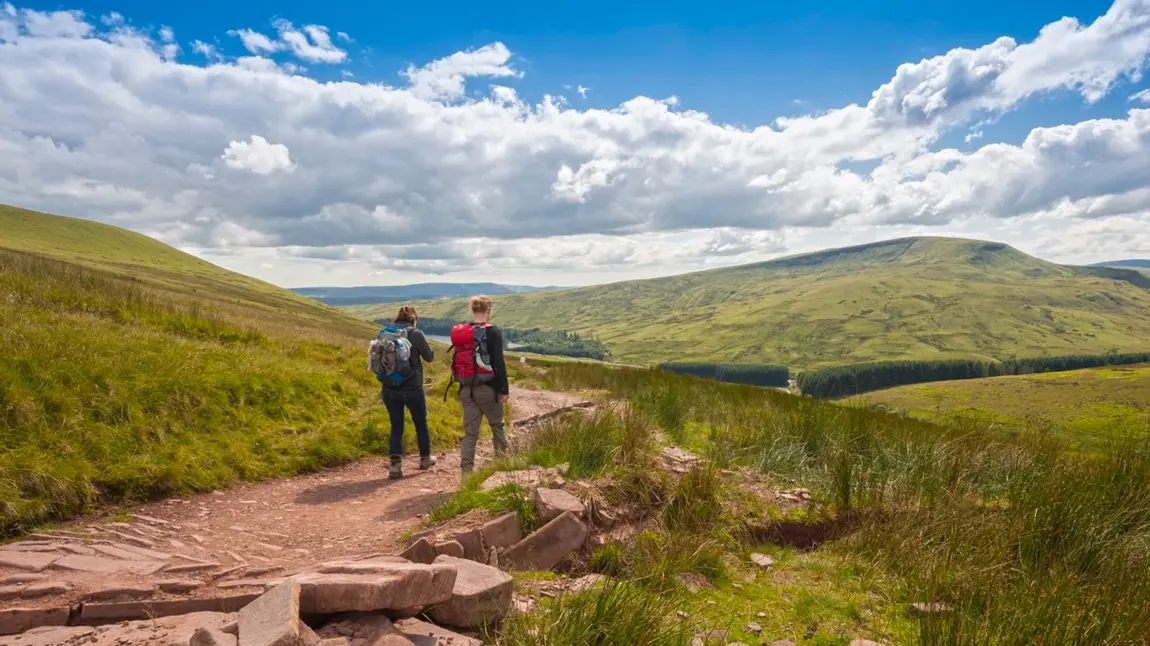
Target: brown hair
x: 480, y: 304
x: 406, y: 314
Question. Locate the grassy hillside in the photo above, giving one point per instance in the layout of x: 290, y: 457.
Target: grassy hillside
x: 914, y: 298
x: 1027, y: 540
x: 131, y: 369
x: 1093, y: 404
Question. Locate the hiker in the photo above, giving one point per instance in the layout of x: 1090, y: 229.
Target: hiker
x: 397, y: 358
x: 477, y: 364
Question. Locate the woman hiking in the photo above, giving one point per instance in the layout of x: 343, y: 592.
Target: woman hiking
x: 479, y: 367
x: 403, y: 389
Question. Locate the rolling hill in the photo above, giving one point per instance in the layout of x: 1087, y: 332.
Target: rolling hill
x: 911, y: 298
x: 130, y: 369
x: 394, y: 293
x: 1090, y: 405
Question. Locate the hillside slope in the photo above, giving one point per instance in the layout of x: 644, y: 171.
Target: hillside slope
x: 912, y: 298
x: 1106, y: 403
x: 130, y: 369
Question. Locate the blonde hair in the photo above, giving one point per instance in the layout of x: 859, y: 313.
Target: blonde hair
x: 480, y: 304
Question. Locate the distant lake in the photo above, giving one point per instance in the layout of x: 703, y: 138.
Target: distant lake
x: 447, y: 340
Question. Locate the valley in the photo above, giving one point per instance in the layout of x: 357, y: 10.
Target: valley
x: 913, y: 299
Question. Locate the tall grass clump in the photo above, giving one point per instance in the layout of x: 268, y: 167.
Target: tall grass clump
x: 605, y: 615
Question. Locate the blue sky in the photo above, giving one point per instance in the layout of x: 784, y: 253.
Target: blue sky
x: 744, y: 63
x: 242, y: 158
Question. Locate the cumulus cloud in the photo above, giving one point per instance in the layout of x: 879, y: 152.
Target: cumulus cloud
x: 448, y: 171
x: 258, y: 156
x: 445, y: 78
x: 312, y: 43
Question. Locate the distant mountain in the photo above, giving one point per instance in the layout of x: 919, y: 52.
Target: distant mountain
x: 372, y: 294
x: 1133, y: 262
x: 913, y: 298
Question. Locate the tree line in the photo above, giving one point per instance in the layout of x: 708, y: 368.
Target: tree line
x: 566, y: 344
x: 738, y: 373
x: 845, y: 381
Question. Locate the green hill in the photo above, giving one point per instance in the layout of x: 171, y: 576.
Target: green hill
x: 1088, y: 405
x: 912, y: 298
x: 130, y: 369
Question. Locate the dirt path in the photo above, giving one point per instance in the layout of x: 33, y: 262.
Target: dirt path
x: 252, y: 532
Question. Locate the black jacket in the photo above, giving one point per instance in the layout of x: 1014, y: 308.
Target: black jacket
x: 498, y: 363
x: 420, y: 351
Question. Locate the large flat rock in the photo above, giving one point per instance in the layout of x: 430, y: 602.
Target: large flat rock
x: 14, y: 621
x: 546, y: 547
x: 552, y: 502
x: 480, y: 597
x: 272, y: 619
x: 357, y: 587
x: 101, y: 613
x: 31, y: 561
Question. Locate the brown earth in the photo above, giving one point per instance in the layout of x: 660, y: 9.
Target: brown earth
x: 233, y: 541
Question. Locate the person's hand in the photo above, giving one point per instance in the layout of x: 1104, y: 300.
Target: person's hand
x: 503, y: 399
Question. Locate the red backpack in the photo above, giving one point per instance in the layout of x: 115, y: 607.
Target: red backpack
x: 470, y: 360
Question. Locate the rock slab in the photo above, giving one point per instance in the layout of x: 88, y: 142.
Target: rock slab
x: 100, y: 613
x: 545, y: 548
x: 481, y: 595
x: 503, y: 531
x: 14, y: 621
x: 376, y: 586
x: 421, y: 551
x: 272, y: 619
x: 552, y: 502
x: 422, y: 633
x: 449, y: 548
x: 31, y: 561
x: 472, y: 542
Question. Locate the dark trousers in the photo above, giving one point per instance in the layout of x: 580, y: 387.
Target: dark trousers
x: 415, y: 401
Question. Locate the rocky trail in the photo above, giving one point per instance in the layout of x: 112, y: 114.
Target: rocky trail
x: 216, y: 552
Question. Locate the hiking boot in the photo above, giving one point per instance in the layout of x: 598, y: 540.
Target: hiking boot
x: 427, y: 463
x: 396, y: 470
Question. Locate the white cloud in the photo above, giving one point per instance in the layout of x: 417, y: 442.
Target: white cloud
x: 167, y: 34
x: 206, y: 50
x: 1143, y: 96
x: 255, y: 42
x: 312, y: 44
x: 445, y: 78
x: 258, y: 156
x: 582, y: 90
x: 431, y: 177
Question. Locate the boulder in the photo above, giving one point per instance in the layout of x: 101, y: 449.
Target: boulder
x: 449, y: 548
x: 545, y: 548
x: 272, y: 619
x: 355, y: 587
x: 552, y: 502
x: 503, y: 531
x: 421, y: 551
x: 472, y: 542
x: 480, y: 597
x: 422, y: 633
